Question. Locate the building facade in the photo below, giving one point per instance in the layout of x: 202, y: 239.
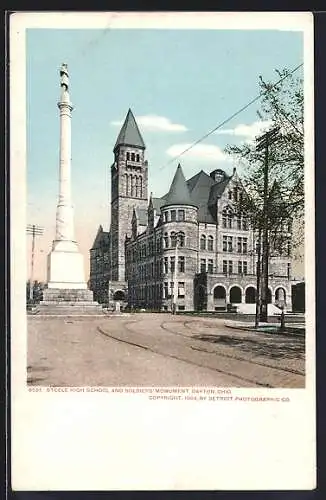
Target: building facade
x: 190, y: 249
x: 197, y: 253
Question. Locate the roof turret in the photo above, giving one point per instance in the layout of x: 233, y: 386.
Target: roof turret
x: 129, y: 134
x: 179, y: 192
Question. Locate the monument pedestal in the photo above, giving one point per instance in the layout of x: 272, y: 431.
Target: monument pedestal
x: 67, y: 292
x: 66, y: 266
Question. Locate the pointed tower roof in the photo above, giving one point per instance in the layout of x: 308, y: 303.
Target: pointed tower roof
x: 129, y: 134
x: 179, y: 192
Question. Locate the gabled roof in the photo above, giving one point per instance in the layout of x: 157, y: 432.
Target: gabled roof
x: 179, y: 193
x: 129, y: 134
x: 217, y: 190
x: 200, y: 186
x: 141, y: 216
x: 102, y: 239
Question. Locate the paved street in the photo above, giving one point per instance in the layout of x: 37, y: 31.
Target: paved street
x: 159, y: 350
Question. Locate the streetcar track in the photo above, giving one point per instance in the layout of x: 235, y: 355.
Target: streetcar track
x: 230, y: 356
x: 108, y: 335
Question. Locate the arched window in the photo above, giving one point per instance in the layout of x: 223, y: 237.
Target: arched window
x: 173, y: 240
x: 166, y: 240
x: 133, y: 186
x: 181, y: 239
x: 203, y: 242
x: 210, y: 243
x: 235, y: 295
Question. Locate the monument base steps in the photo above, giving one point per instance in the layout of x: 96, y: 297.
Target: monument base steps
x: 68, y: 302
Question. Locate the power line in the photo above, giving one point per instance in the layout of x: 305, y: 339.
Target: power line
x: 231, y: 117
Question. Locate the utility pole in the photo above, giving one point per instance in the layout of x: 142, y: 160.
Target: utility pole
x: 258, y: 274
x: 264, y: 142
x: 34, y: 231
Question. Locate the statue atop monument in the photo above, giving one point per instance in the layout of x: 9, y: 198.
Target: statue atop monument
x: 64, y: 81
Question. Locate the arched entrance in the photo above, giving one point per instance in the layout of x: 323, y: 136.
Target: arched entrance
x: 119, y: 295
x: 235, y: 295
x: 280, y: 296
x: 250, y: 297
x: 219, y: 296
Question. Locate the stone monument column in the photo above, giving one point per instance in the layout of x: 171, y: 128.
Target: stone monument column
x: 65, y: 262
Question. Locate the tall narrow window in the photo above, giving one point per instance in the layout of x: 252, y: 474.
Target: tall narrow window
x: 128, y: 155
x: 210, y: 266
x: 181, y: 264
x: 137, y: 187
x: 132, y: 156
x: 173, y: 215
x: 225, y: 266
x: 230, y: 244
x: 181, y: 289
x: 166, y: 240
x: 172, y: 264
x: 230, y: 267
x: 181, y: 239
x: 245, y: 245
x: 225, y: 244
x: 127, y: 184
x: 166, y: 216
x: 173, y: 240
x: 203, y: 242
x: 245, y: 267
x: 240, y: 267
x: 133, y: 186
x: 210, y: 243
x: 239, y: 245
x: 137, y: 157
x: 202, y: 265
x: 181, y: 215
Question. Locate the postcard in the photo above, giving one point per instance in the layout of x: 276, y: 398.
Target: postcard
x: 162, y: 251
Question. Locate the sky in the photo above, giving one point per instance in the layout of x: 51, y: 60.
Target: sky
x: 180, y: 84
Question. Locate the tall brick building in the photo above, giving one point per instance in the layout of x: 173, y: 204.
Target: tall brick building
x: 214, y: 263
x: 129, y: 177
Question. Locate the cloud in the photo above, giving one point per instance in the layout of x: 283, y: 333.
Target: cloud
x: 249, y: 132
x: 203, y: 152
x: 155, y: 123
